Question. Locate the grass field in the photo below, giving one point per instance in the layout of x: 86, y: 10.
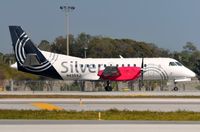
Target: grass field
x: 105, y: 115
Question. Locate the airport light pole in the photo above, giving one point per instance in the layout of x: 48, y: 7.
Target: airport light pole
x: 85, y: 52
x: 85, y: 49
x: 66, y: 10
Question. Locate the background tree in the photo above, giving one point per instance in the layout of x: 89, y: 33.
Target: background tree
x: 189, y: 47
x: 80, y: 43
x: 60, y: 46
x: 101, y: 48
x: 189, y: 57
x: 45, y: 45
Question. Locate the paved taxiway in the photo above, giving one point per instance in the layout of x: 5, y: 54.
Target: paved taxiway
x: 97, y: 126
x: 141, y: 104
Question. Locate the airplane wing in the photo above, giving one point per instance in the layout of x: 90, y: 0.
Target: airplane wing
x: 120, y: 73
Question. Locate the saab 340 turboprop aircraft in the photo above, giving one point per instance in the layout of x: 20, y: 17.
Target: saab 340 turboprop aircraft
x: 33, y: 60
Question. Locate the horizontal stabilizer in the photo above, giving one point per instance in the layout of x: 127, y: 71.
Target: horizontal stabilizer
x: 183, y: 80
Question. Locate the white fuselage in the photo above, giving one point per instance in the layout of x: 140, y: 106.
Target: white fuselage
x: 74, y: 68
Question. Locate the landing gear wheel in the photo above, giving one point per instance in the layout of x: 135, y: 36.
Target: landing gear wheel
x: 108, y: 87
x: 175, y: 88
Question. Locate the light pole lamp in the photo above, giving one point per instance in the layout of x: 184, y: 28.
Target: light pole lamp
x: 66, y: 10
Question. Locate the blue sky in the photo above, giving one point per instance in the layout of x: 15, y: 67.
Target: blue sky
x: 167, y: 23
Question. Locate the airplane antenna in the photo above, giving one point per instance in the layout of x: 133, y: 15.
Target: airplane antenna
x: 121, y: 56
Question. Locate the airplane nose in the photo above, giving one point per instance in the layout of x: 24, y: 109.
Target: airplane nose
x: 191, y: 74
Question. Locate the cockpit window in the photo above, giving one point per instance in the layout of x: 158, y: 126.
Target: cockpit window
x: 175, y: 64
x: 172, y: 64
x: 179, y: 64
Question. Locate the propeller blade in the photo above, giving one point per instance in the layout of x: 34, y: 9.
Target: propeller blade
x: 142, y: 72
x: 142, y: 65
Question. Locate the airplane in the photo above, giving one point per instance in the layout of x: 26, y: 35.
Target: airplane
x: 31, y: 59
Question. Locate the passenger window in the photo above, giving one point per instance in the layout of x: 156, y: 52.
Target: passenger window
x: 104, y: 65
x: 134, y: 65
x: 117, y: 65
x: 172, y: 64
x: 122, y: 65
x: 145, y: 65
x: 128, y: 65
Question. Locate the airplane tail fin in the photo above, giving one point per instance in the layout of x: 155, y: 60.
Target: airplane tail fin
x: 29, y: 58
x: 23, y: 46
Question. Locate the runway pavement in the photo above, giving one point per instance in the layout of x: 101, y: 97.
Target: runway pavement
x: 140, y: 104
x: 97, y: 126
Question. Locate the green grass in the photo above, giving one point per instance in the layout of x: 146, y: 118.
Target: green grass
x: 105, y: 115
x: 6, y: 72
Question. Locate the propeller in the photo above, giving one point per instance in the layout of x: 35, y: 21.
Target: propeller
x: 142, y: 72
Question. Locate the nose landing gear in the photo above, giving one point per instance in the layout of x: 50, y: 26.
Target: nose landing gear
x: 175, y: 87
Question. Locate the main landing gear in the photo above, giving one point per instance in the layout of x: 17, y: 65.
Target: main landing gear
x: 108, y: 87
